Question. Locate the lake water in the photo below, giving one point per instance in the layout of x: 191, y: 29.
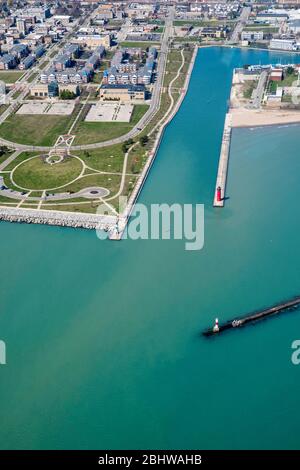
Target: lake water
x: 103, y: 338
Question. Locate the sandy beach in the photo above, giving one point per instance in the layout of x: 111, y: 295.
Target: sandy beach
x: 243, y: 117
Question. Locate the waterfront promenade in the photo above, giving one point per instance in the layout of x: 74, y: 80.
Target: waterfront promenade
x: 161, y: 126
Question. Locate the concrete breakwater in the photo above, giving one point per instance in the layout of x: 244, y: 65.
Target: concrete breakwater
x: 61, y: 219
x: 223, y: 163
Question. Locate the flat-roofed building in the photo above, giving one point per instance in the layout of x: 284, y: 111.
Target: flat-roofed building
x: 252, y: 35
x: 39, y: 90
x: 283, y: 44
x: 94, y: 40
x: 122, y: 92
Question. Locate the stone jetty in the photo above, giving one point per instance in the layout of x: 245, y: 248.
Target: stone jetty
x: 58, y: 218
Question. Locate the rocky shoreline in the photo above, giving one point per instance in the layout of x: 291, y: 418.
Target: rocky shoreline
x: 61, y: 219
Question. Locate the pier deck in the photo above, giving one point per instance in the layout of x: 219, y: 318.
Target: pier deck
x: 223, y: 162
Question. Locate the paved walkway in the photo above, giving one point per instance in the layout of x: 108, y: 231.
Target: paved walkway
x: 10, y: 159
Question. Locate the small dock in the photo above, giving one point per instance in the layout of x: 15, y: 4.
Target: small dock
x: 223, y: 163
x: 286, y: 306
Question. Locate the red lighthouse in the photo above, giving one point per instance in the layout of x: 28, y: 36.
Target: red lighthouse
x: 219, y: 198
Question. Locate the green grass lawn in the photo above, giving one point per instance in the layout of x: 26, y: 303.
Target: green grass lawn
x: 34, y: 129
x: 108, y: 159
x: 264, y: 28
x: 3, y: 156
x: 10, y: 76
x: 203, y: 23
x: 20, y: 158
x: 36, y: 174
x: 288, y: 80
x: 97, y: 78
x: 142, y: 44
x: 89, y: 207
x: 248, y: 88
x: 111, y: 182
x: 91, y: 132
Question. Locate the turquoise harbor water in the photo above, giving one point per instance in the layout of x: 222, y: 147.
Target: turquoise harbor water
x: 103, y: 343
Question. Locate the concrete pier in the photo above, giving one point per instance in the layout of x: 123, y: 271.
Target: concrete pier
x: 286, y: 306
x: 223, y: 162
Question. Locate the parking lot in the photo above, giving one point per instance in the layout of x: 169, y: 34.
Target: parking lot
x: 110, y: 112
x: 59, y: 109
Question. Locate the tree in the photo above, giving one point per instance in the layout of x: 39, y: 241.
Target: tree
x: 67, y: 95
x: 143, y: 140
x: 290, y: 70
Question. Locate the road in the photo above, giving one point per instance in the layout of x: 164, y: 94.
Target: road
x: 240, y: 25
x: 260, y: 89
x: 153, y: 108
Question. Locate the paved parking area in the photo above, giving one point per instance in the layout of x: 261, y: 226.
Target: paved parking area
x: 110, y: 112
x: 62, y: 109
x: 59, y: 109
x: 32, y: 108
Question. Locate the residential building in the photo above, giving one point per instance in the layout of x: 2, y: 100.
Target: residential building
x: 7, y: 61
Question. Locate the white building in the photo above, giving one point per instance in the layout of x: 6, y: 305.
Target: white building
x: 283, y: 44
x: 252, y: 35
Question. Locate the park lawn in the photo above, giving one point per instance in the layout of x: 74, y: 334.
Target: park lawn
x: 168, y: 78
x: 108, y: 159
x: 137, y: 159
x: 20, y: 158
x: 5, y: 155
x: 37, y: 174
x: 93, y: 132
x: 130, y: 182
x: 4, y: 199
x: 34, y: 129
x: 110, y: 182
x: 10, y: 76
x: 89, y: 207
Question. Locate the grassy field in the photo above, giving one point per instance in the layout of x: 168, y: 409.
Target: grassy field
x: 20, y: 158
x: 142, y: 44
x: 264, y: 28
x: 289, y: 80
x: 10, y: 76
x: 108, y: 159
x: 88, y: 207
x: 36, y: 174
x: 91, y: 132
x: 34, y: 129
x: 201, y: 23
x: 111, y: 182
x: 248, y: 88
x: 5, y: 155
